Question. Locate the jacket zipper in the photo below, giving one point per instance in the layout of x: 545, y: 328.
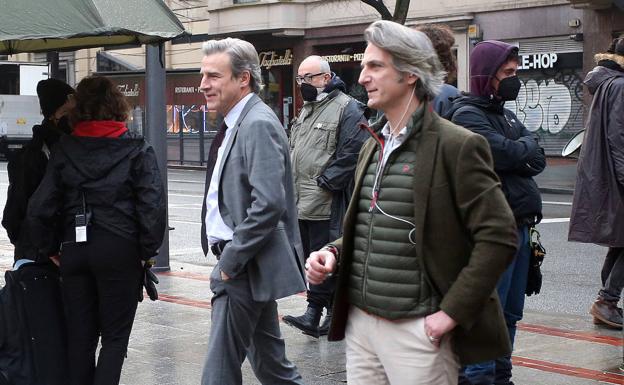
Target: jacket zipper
x: 376, y: 187
x: 376, y: 184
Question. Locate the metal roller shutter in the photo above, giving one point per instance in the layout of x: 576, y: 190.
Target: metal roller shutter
x: 550, y: 102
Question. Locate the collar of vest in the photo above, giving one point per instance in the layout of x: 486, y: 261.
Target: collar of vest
x: 423, y: 114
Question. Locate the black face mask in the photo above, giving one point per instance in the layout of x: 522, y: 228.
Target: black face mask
x: 308, y: 92
x: 509, y: 88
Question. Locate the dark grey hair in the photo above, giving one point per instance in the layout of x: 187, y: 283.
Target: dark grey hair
x: 243, y: 57
x: 412, y: 52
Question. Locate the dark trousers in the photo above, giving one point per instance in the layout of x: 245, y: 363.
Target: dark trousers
x: 511, y: 291
x: 243, y: 328
x: 101, y: 283
x: 314, y: 235
x: 612, y: 275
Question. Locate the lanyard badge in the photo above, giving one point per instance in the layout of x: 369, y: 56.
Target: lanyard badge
x: 81, y: 222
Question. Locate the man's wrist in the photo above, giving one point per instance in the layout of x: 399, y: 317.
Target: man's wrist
x: 332, y: 249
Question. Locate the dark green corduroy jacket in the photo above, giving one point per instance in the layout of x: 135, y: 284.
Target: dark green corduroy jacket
x: 465, y: 235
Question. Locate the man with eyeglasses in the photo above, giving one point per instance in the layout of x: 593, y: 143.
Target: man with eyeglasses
x: 325, y: 142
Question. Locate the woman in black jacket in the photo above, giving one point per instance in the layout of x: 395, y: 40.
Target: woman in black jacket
x: 101, y: 207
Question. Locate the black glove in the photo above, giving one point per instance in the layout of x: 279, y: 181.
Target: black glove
x: 538, y: 252
x: 149, y: 281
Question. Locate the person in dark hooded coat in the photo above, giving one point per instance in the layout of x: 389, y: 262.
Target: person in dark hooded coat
x: 517, y: 159
x: 103, y: 190
x: 27, y: 166
x: 598, y: 204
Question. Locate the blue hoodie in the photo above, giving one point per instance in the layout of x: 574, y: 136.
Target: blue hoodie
x: 485, y: 60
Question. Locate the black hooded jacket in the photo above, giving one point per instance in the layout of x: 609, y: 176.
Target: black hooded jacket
x: 26, y: 169
x: 337, y: 175
x: 122, y: 189
x: 517, y: 155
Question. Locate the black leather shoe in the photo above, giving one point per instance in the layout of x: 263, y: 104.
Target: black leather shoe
x: 308, y: 323
x: 324, y: 328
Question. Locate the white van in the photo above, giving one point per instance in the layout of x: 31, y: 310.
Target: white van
x: 19, y: 109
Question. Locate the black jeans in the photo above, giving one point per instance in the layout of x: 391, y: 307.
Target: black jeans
x: 101, y: 283
x: 612, y: 275
x: 314, y: 235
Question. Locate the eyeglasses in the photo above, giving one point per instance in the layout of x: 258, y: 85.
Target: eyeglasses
x: 307, y: 78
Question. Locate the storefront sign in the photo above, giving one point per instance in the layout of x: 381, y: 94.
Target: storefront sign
x: 344, y: 58
x: 270, y: 59
x: 538, y: 61
x: 129, y: 89
x: 185, y: 90
x: 181, y: 88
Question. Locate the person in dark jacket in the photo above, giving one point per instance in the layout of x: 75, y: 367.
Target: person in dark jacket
x: 598, y: 204
x: 103, y: 190
x: 27, y: 166
x: 442, y: 38
x: 325, y: 141
x: 517, y: 159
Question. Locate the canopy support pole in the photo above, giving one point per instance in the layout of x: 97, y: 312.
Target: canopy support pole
x: 53, y: 60
x: 156, y: 128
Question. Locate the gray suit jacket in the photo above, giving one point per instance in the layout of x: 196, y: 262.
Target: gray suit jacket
x: 256, y: 199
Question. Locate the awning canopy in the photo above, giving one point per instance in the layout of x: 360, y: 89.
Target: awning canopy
x: 65, y: 25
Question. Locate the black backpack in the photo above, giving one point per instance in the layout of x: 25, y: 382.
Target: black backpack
x: 26, y: 168
x: 33, y: 338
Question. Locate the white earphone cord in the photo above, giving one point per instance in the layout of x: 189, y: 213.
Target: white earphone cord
x: 411, y: 233
x: 377, y: 175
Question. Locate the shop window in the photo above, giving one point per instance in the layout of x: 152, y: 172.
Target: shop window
x: 9, y: 79
x: 191, y: 119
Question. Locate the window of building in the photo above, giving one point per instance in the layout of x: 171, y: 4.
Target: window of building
x: 9, y: 79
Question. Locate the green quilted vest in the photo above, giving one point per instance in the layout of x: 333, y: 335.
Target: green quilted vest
x: 386, y: 276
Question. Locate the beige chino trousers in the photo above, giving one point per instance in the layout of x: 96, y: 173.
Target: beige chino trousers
x: 384, y: 352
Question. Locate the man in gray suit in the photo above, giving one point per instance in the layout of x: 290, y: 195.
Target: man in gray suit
x: 248, y: 221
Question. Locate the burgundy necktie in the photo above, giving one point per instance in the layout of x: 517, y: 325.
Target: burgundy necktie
x: 213, y: 153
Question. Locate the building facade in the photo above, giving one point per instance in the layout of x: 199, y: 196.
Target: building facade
x: 557, y: 40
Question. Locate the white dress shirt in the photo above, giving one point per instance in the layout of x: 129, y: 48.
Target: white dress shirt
x: 216, y: 229
x: 390, y: 144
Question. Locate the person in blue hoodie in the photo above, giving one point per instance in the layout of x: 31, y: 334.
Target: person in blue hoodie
x: 518, y: 157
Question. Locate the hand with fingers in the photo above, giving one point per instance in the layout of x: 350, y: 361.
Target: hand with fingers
x: 437, y: 325
x: 320, y: 265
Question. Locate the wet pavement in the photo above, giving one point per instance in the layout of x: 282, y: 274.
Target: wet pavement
x: 170, y: 336
x: 558, y: 177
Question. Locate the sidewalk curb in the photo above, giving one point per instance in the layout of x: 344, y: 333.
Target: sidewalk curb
x: 556, y: 190
x: 543, y: 190
x: 186, y: 167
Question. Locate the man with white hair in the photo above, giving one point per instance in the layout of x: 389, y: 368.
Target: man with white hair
x: 427, y: 233
x: 325, y: 141
x: 249, y: 222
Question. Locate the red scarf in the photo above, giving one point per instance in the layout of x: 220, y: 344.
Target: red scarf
x: 100, y: 128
